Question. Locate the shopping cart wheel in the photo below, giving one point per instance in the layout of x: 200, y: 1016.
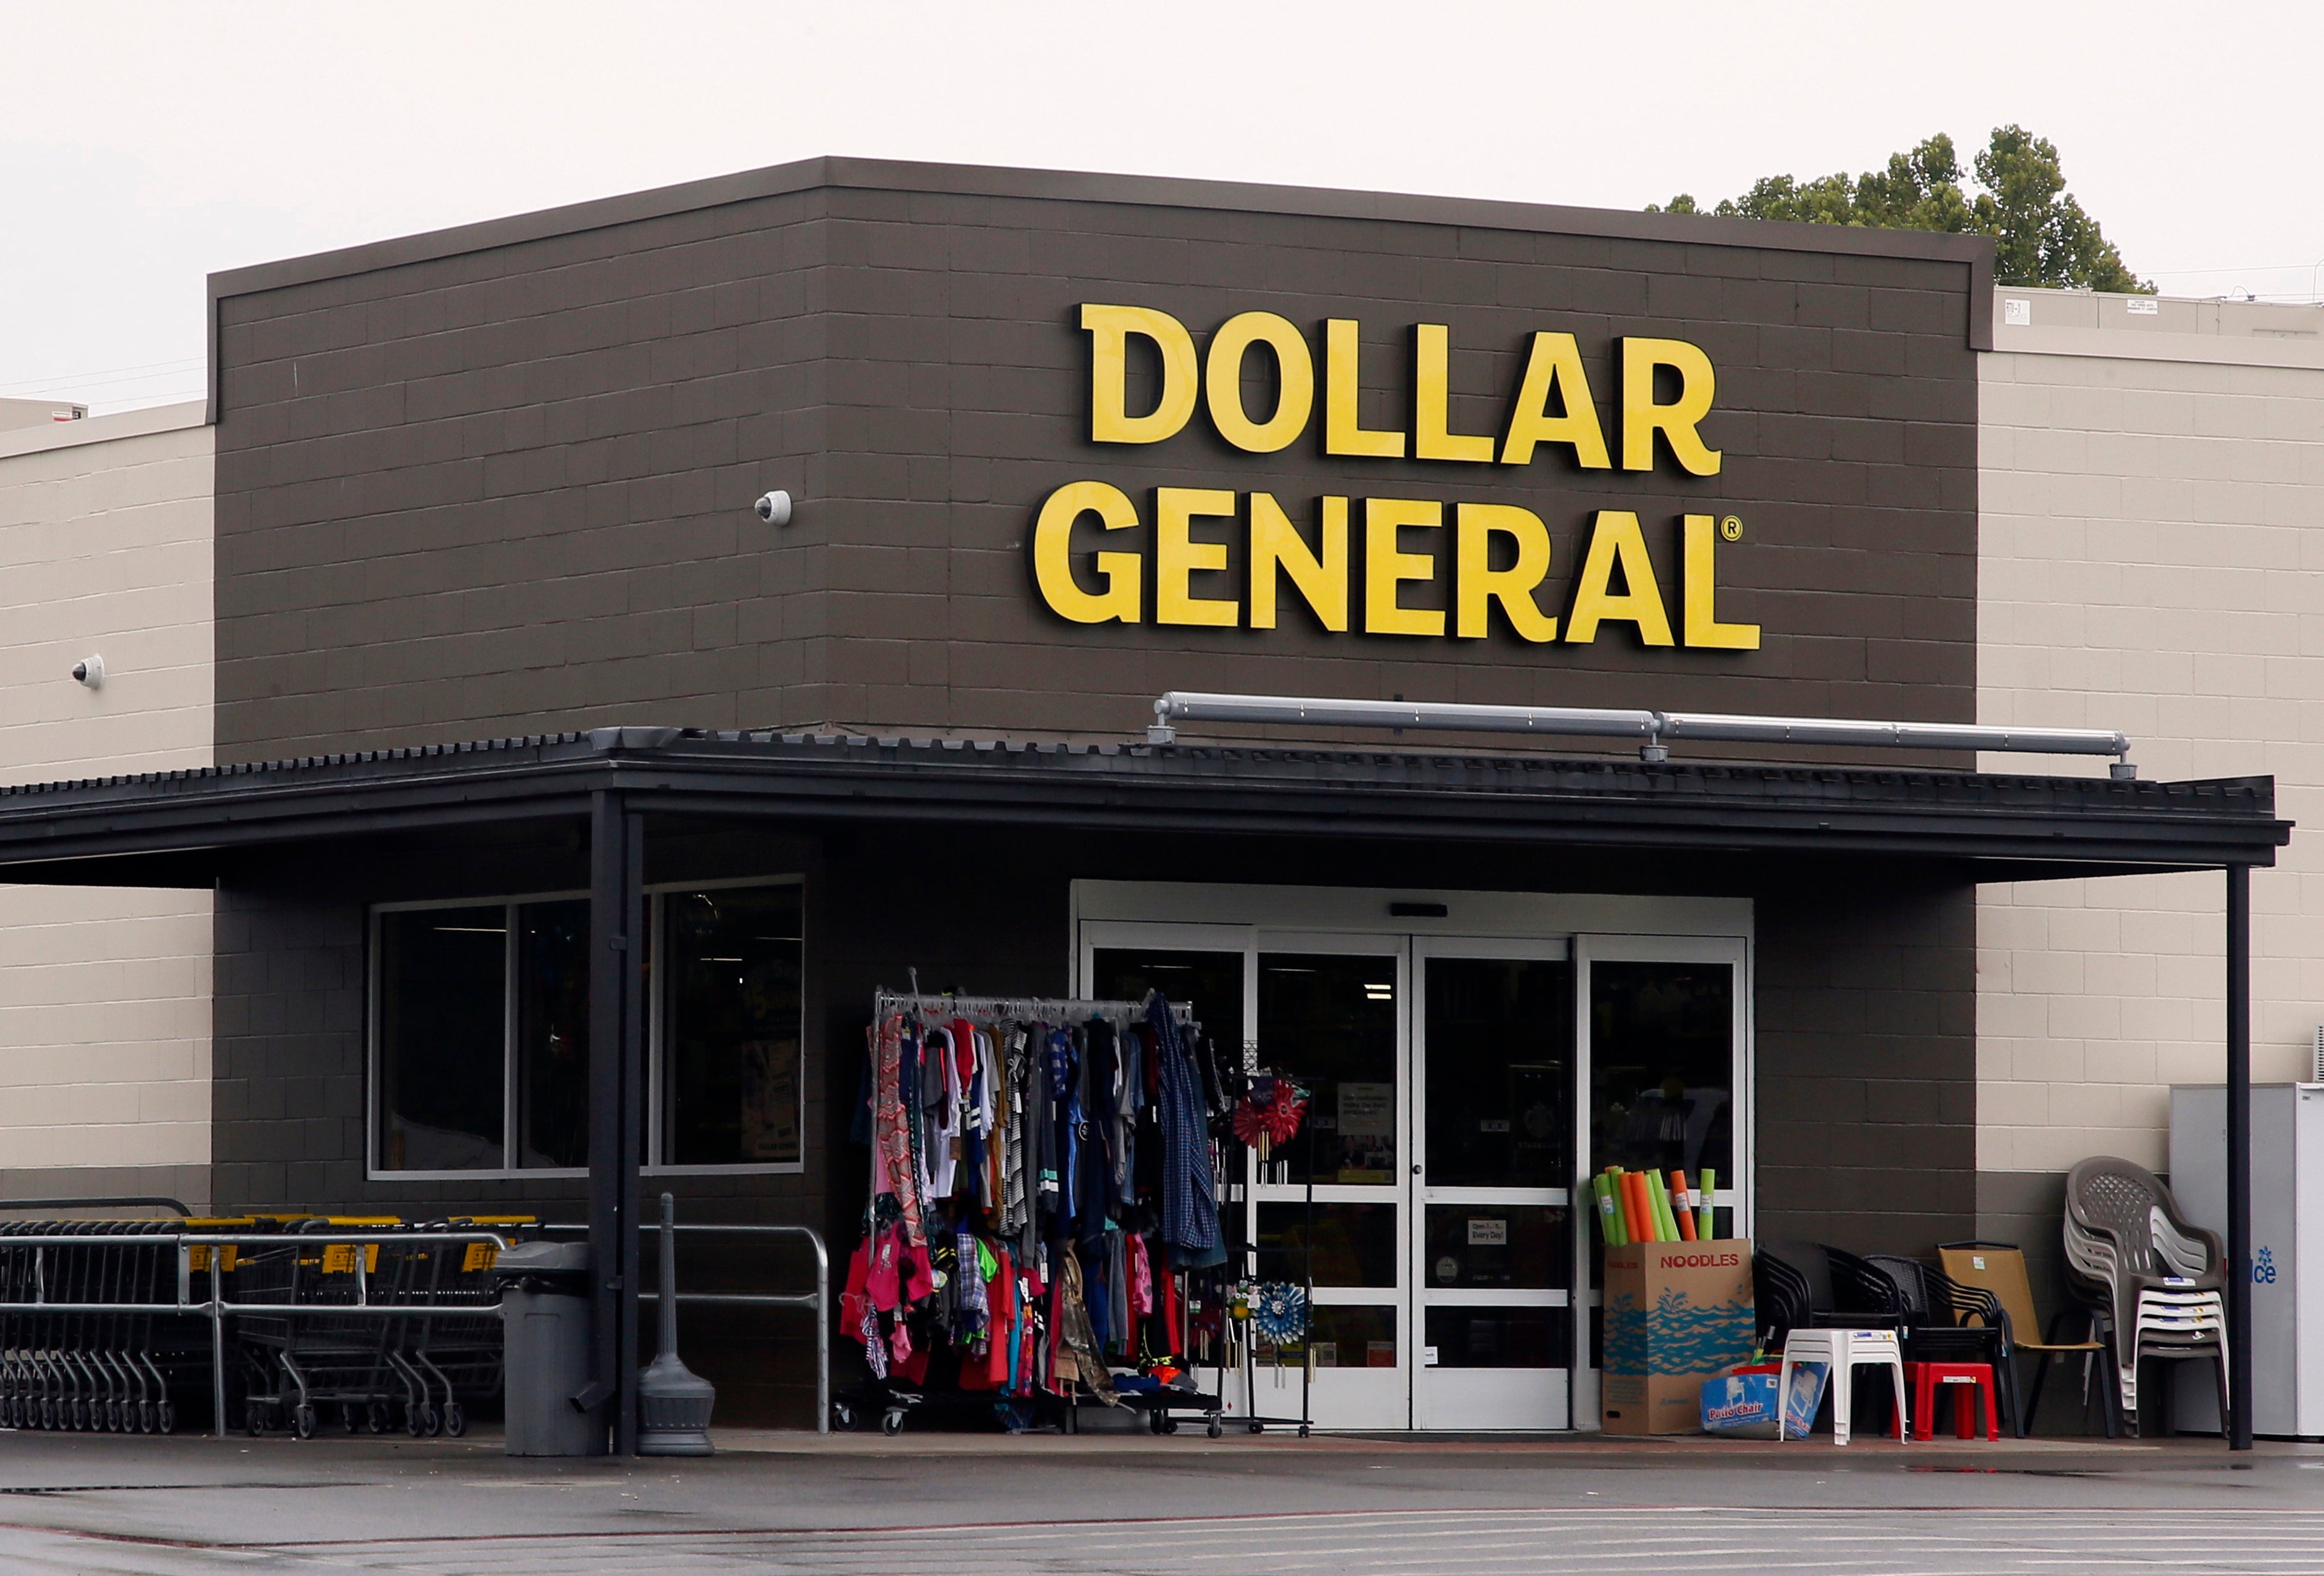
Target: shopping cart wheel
x: 843, y: 1416
x: 253, y: 1418
x: 431, y: 1419
x: 302, y: 1421
x: 375, y: 1417
x: 1169, y: 1424
x: 113, y: 1422
x: 892, y: 1421
x: 1259, y: 1428
x: 165, y: 1417
x: 1217, y: 1427
x: 80, y: 1415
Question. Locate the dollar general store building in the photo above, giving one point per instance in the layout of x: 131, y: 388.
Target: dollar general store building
x: 444, y: 645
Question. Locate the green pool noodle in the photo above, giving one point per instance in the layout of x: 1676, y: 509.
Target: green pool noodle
x: 1665, y: 1222
x: 1610, y: 1219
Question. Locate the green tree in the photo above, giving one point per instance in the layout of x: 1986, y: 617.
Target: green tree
x: 2042, y: 236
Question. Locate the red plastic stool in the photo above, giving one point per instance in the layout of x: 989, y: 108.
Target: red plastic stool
x: 1968, y: 1380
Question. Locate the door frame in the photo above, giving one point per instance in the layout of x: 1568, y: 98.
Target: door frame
x: 1555, y: 1395
x: 1590, y: 948
x: 1609, y: 926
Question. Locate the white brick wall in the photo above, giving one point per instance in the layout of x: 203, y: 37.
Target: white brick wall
x: 2152, y: 534
x: 106, y: 531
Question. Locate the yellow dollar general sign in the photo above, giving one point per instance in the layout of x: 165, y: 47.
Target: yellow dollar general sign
x: 1553, y: 405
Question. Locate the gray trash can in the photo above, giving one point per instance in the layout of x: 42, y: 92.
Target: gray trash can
x: 545, y: 1297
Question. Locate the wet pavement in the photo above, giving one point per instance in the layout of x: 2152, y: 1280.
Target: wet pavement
x: 1131, y: 1503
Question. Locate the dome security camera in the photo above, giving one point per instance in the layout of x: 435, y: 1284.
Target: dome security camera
x: 774, y: 508
x: 90, y: 672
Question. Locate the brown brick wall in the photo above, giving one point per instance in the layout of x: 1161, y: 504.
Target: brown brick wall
x: 1867, y: 1060
x: 508, y: 489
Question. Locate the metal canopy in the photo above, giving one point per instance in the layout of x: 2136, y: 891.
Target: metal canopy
x: 180, y: 828
x: 183, y: 828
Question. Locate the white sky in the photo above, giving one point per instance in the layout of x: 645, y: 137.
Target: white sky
x: 144, y: 145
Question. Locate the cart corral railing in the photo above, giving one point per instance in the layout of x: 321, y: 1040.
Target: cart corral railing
x: 819, y: 1299
x: 211, y: 1256
x: 203, y: 1258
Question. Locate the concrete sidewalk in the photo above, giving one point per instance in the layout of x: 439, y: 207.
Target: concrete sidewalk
x: 1134, y: 1503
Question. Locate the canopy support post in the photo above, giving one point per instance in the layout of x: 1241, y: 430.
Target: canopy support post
x: 2238, y: 1266
x: 616, y: 1099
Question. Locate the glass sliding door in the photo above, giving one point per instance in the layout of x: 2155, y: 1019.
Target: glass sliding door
x: 1331, y: 1015
x: 1663, y: 1025
x: 1492, y: 1184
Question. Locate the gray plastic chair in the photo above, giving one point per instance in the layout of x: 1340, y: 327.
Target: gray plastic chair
x: 2158, y: 1277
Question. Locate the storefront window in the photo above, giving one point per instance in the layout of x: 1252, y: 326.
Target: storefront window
x: 1329, y: 1020
x: 1500, y: 1073
x: 1211, y: 981
x: 442, y: 981
x: 1663, y: 1066
x: 730, y: 1059
x: 552, y: 1033
x: 481, y: 1032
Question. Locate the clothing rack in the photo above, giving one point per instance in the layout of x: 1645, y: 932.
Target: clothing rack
x: 891, y: 1395
x: 1022, y: 1009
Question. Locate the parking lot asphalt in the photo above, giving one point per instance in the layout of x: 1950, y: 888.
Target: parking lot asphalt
x: 989, y: 1505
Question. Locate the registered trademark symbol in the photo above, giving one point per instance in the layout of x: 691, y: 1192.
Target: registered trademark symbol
x: 1731, y: 527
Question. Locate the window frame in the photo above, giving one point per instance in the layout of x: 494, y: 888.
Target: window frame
x: 509, y: 903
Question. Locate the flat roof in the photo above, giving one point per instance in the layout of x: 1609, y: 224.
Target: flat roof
x: 183, y: 827
x: 1975, y: 253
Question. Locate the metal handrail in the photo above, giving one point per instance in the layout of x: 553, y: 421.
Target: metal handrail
x: 819, y: 1299
x: 126, y: 1201
x: 216, y: 1307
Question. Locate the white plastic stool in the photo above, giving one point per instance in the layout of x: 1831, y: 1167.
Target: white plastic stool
x: 1844, y: 1350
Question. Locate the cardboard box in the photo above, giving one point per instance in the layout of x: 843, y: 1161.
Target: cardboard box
x: 1676, y: 1315
x: 1744, y: 1403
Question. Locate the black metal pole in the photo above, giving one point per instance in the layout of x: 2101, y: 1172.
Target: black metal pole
x: 2239, y: 1324
x: 612, y: 1225
x: 633, y: 1115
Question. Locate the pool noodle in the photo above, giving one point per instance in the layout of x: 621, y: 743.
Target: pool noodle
x: 1635, y: 1215
x: 1665, y: 1222
x: 1610, y: 1219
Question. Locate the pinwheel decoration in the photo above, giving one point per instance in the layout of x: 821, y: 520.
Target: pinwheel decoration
x: 1270, y: 1113
x: 1278, y: 1313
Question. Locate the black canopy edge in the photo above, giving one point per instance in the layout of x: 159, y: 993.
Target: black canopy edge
x: 2024, y: 819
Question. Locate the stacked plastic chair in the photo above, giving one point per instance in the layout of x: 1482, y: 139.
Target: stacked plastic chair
x: 2156, y: 1278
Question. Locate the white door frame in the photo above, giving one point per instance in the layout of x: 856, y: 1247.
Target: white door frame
x: 1739, y: 1195
x: 1479, y: 1399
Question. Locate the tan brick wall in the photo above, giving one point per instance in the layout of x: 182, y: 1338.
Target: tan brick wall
x: 105, y: 532
x: 2152, y: 526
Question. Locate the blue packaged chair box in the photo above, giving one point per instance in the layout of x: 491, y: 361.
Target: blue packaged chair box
x: 1742, y: 1403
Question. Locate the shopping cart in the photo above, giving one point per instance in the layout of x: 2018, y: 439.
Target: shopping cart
x: 78, y: 1351
x: 295, y: 1364
x: 442, y: 1358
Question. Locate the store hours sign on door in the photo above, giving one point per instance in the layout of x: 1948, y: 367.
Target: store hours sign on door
x: 1303, y: 553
